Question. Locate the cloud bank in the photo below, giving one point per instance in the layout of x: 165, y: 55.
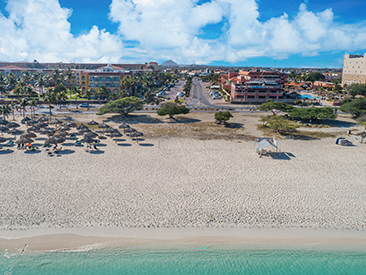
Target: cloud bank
x: 172, y: 29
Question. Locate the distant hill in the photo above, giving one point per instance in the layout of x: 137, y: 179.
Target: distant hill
x: 169, y: 63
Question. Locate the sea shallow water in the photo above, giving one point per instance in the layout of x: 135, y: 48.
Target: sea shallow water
x: 188, y: 259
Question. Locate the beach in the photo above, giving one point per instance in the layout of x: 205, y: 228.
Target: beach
x: 184, y: 184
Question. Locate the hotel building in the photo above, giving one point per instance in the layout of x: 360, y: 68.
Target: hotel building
x: 354, y: 69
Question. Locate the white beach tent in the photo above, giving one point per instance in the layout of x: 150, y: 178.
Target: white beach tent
x: 263, y: 144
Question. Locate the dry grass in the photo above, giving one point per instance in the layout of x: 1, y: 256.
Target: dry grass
x: 198, y: 130
x: 299, y: 134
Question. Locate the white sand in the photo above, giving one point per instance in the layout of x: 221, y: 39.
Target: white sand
x: 186, y: 183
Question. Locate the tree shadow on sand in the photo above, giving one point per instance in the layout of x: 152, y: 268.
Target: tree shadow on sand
x: 133, y: 119
x: 183, y: 120
x: 234, y: 125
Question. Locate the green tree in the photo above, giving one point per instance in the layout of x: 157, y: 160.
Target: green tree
x: 275, y: 107
x: 122, y: 106
x: 361, y: 121
x: 313, y: 113
x: 5, y: 110
x: 172, y: 109
x: 357, y: 89
x: 356, y: 107
x: 222, y: 117
x: 279, y: 124
x: 23, y: 105
x: 314, y: 76
x: 50, y: 97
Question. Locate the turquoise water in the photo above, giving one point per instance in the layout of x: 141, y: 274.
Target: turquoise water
x: 193, y: 260
x: 309, y: 97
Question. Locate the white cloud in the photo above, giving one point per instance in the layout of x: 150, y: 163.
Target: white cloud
x: 172, y: 29
x: 39, y: 29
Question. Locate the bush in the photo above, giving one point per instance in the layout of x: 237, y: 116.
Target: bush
x: 122, y: 106
x: 172, y: 109
x: 222, y: 116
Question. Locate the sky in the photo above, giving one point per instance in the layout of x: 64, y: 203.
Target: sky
x: 282, y: 33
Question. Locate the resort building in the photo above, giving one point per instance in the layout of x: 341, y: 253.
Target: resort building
x: 354, y: 69
x: 256, y: 86
x: 109, y: 76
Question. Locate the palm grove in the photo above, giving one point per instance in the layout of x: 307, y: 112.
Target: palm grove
x: 58, y: 88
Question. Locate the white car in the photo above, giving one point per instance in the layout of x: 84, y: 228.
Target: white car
x: 216, y: 96
x: 181, y: 94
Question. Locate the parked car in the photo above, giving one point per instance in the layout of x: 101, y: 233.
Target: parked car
x: 84, y: 105
x: 216, y: 96
x: 213, y: 92
x: 180, y: 94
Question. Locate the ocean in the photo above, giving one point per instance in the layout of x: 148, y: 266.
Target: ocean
x: 190, y: 260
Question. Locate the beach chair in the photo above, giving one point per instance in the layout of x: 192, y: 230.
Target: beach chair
x: 78, y: 143
x: 73, y: 136
x: 9, y: 143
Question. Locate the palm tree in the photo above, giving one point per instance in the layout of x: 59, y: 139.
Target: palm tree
x: 5, y: 110
x: 13, y: 107
x: 50, y: 97
x: 33, y: 104
x: 11, y: 81
x: 69, y: 75
x: 23, y: 105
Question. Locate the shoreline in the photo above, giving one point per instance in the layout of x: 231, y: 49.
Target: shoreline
x: 84, y: 239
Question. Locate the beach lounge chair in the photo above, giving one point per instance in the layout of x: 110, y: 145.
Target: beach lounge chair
x: 9, y: 143
x: 18, y: 146
x: 73, y: 136
x: 78, y: 143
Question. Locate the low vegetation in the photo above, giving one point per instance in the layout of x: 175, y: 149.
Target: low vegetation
x: 122, y: 106
x: 172, y: 109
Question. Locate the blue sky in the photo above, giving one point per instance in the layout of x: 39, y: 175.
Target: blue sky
x: 218, y: 32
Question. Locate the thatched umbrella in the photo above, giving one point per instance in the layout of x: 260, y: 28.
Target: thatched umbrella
x: 32, y: 129
x: 3, y: 121
x: 56, y: 121
x: 61, y: 134
x: 15, y: 132
x: 129, y: 130
x: 41, y: 124
x: 70, y: 124
x: 63, y: 128
x: 3, y: 129
x: 111, y: 130
x: 103, y: 126
x: 24, y: 140
x: 48, y: 131
x: 93, y: 123
x: 2, y: 139
x: 87, y: 140
x: 136, y: 135
x: 55, y: 140
x: 84, y: 130
x: 28, y: 135
x: 12, y: 125
x: 24, y: 120
x: 124, y: 126
x: 91, y: 134
x: 42, y: 119
x: 82, y: 126
x: 30, y: 122
x: 115, y: 135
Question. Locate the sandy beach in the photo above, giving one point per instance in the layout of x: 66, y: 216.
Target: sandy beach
x: 183, y: 184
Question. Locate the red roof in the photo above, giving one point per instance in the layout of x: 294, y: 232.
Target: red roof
x: 114, y: 68
x: 12, y: 67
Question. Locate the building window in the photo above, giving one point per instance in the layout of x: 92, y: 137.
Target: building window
x: 100, y: 78
x: 261, y: 97
x: 108, y: 78
x: 115, y: 78
x: 251, y: 96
